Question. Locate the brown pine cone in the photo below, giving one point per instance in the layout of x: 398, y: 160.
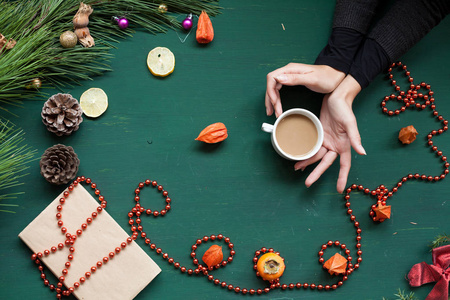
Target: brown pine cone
x: 59, y: 164
x: 62, y: 114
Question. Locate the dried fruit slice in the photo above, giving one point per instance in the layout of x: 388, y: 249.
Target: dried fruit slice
x: 94, y: 102
x: 161, y: 61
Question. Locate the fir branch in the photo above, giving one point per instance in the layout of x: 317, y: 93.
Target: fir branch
x: 14, y: 155
x: 403, y: 296
x: 440, y: 240
x: 37, y: 24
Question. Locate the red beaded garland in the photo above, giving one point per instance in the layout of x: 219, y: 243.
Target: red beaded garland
x: 412, y: 98
x: 70, y: 242
x: 409, y: 99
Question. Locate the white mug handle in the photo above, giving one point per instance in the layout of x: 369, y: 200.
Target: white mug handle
x: 267, y: 127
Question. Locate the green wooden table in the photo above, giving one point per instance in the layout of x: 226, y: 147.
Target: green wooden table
x: 241, y: 187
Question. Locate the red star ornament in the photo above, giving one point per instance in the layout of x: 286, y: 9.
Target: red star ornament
x: 382, y: 212
x: 337, y: 264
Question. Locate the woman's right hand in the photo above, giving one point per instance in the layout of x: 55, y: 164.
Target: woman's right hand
x: 340, y: 134
x: 318, y: 78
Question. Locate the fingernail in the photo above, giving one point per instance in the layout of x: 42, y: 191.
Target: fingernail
x: 281, y: 78
x: 363, y: 150
x: 301, y: 169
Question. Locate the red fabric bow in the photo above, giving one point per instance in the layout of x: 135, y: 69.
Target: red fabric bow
x: 423, y: 273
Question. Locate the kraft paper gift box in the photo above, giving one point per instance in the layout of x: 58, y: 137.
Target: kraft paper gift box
x: 123, y: 277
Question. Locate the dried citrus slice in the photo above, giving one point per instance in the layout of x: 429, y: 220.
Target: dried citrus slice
x: 94, y: 102
x: 161, y: 61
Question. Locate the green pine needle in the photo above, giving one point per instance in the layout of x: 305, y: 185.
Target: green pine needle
x: 440, y: 240
x: 14, y: 156
x: 37, y: 24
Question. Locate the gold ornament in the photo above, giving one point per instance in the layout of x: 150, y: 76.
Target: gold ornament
x: 68, y: 39
x: 162, y: 8
x: 35, y: 83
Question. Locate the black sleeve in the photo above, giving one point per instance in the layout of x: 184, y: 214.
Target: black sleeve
x: 370, y: 61
x: 351, y: 21
x: 407, y: 22
x: 402, y: 27
x: 341, y: 48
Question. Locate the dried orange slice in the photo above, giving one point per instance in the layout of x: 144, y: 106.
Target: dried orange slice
x: 94, y: 102
x: 161, y: 61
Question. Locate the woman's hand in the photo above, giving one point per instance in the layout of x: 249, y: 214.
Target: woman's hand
x: 340, y: 132
x: 317, y: 78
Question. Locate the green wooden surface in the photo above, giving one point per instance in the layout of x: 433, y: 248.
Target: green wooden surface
x: 241, y: 187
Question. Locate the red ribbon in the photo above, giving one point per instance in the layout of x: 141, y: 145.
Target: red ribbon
x: 423, y: 273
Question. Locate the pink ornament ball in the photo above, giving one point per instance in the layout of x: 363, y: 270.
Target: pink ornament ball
x: 187, y: 23
x: 123, y: 23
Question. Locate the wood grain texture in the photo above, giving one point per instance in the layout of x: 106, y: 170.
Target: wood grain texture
x: 241, y: 187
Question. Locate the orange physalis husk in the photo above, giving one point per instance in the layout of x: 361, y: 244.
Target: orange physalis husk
x: 382, y: 212
x: 336, y: 264
x: 214, y: 133
x: 213, y: 256
x: 270, y: 266
x: 205, y: 31
x: 407, y: 135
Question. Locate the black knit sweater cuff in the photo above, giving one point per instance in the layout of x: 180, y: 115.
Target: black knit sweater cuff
x: 370, y: 61
x: 341, y: 49
x: 355, y: 14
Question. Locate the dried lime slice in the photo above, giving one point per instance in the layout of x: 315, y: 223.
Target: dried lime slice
x: 94, y: 102
x: 161, y: 61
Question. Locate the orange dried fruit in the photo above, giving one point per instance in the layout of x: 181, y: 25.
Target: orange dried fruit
x: 205, y: 31
x: 214, y: 133
x: 270, y: 266
x: 336, y: 264
x: 382, y: 212
x: 213, y: 256
x: 407, y: 135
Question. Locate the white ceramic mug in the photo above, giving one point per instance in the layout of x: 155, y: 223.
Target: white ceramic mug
x: 299, y: 111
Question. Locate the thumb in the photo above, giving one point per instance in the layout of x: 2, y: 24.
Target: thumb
x: 294, y: 79
x: 355, y: 137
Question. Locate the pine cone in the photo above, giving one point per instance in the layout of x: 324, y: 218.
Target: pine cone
x: 59, y: 164
x: 62, y: 114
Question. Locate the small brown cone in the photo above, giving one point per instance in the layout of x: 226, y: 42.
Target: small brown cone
x: 62, y: 114
x: 59, y: 164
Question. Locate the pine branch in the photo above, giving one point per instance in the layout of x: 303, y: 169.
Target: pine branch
x: 14, y: 155
x: 440, y: 240
x: 403, y: 296
x: 37, y: 24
